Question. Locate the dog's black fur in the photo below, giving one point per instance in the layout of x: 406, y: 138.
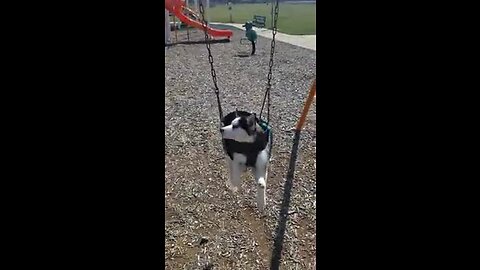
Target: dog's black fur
x: 251, y: 150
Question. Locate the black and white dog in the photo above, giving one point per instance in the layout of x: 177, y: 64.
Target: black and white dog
x: 247, y: 144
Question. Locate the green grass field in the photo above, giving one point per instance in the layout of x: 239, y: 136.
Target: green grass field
x: 294, y: 19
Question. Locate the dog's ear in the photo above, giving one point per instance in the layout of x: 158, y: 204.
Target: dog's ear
x: 255, y: 118
x: 236, y: 112
x: 252, y: 121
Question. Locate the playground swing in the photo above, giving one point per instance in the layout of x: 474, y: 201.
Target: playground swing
x: 229, y: 117
x: 247, y: 44
x: 243, y: 48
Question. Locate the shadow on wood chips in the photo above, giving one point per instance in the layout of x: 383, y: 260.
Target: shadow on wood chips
x: 280, y: 233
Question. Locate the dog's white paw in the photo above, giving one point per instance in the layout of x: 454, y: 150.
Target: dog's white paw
x: 261, y: 183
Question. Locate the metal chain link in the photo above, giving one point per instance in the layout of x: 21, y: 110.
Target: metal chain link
x: 270, y: 65
x: 210, y: 60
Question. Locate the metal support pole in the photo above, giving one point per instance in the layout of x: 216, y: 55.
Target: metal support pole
x: 167, y: 27
x: 175, y: 27
x: 306, y: 107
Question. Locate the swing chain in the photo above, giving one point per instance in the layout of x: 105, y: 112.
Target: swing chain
x: 210, y: 60
x: 270, y: 65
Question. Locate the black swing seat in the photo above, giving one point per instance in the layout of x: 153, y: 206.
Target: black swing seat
x: 249, y: 149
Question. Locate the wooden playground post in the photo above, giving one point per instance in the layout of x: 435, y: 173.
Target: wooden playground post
x: 306, y: 107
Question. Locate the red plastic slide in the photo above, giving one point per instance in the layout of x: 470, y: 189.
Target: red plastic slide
x: 176, y: 8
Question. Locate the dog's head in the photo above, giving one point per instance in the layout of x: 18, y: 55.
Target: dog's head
x: 242, y: 129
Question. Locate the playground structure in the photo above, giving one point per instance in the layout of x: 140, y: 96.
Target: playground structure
x: 179, y: 9
x: 292, y: 206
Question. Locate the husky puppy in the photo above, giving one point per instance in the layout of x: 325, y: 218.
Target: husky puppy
x: 247, y: 144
